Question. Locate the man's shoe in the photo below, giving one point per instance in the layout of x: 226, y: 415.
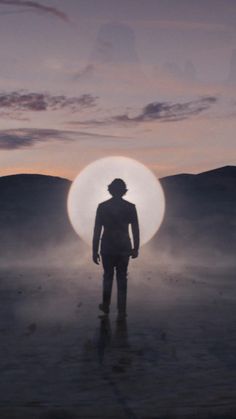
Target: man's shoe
x: 103, y: 308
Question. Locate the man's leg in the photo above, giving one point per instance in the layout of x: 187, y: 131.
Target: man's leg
x: 108, y: 275
x: 121, y: 276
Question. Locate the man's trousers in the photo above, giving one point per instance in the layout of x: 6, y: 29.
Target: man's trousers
x: 112, y: 262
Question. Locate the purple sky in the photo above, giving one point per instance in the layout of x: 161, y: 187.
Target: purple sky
x: 150, y: 79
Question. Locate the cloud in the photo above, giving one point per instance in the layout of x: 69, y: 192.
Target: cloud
x: 33, y: 5
x: 169, y: 112
x: 13, y: 139
x: 20, y: 101
x: 159, y: 111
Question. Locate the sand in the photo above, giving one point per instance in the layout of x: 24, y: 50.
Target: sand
x: 174, y: 357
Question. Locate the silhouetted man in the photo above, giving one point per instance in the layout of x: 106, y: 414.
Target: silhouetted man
x: 114, y: 217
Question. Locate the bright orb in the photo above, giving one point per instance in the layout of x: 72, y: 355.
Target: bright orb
x: 90, y: 188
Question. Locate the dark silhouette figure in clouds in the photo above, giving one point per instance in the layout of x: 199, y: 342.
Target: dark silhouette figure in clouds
x: 114, y: 217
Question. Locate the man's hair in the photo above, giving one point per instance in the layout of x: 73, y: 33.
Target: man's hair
x: 117, y: 187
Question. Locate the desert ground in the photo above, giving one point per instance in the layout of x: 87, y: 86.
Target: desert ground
x: 174, y: 356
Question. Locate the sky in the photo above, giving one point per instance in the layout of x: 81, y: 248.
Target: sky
x: 154, y: 80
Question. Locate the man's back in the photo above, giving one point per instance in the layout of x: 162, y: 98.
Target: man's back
x: 115, y: 215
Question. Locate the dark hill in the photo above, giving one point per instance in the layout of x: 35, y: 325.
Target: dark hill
x: 33, y: 212
x: 200, y: 213
x: 212, y: 192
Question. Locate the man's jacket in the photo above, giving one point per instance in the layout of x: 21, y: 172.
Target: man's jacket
x: 114, y: 217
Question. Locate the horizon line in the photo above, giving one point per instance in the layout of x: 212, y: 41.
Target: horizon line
x: 71, y: 180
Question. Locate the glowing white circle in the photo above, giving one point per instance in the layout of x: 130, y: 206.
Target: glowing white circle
x: 90, y: 188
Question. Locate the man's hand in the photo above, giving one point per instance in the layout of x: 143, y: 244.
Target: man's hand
x: 134, y: 253
x: 96, y: 258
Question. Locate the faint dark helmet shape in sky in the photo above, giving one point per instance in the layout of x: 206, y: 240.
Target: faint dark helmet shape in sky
x: 115, y: 43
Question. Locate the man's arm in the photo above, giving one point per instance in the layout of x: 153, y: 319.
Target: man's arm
x: 96, y: 236
x: 135, y: 232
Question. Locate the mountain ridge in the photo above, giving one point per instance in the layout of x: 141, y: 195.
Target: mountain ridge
x: 218, y: 170
x: 200, y: 213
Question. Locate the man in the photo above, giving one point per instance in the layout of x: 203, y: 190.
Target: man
x: 114, y: 216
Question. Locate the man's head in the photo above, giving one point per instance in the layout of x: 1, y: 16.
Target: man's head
x: 117, y: 188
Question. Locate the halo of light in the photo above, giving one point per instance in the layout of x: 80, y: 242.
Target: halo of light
x: 90, y: 188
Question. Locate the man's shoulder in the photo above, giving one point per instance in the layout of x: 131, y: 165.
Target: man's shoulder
x: 129, y: 204
x: 110, y: 202
x: 104, y: 204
